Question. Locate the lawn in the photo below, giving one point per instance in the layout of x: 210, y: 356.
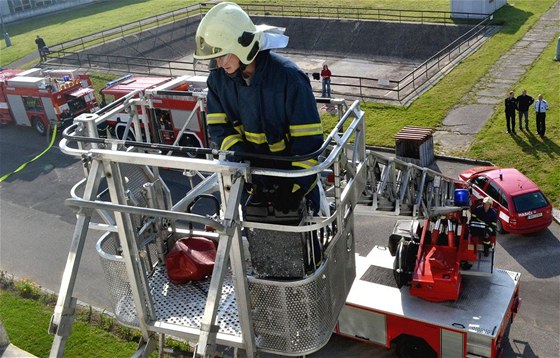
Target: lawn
x: 539, y: 159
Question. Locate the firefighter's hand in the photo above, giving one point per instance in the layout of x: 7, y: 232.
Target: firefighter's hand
x: 287, y: 199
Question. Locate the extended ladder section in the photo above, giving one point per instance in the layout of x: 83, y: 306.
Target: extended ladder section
x: 406, y: 189
x: 134, y: 194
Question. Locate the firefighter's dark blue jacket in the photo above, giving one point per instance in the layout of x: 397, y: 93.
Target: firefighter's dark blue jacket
x: 275, y: 113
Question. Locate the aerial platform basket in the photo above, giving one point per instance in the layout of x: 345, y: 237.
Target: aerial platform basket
x: 233, y: 307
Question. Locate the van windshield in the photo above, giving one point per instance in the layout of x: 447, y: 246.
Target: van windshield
x: 529, y: 201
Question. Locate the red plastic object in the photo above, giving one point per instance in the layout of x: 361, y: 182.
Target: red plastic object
x: 190, y: 259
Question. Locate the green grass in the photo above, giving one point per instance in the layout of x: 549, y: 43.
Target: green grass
x: 536, y: 157
x: 26, y: 322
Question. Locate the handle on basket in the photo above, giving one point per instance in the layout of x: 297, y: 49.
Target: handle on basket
x: 203, y: 196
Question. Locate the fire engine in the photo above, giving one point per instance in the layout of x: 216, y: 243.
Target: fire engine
x: 37, y: 97
x: 173, y: 109
x: 432, y: 292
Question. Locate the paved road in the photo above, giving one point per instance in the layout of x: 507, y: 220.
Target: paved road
x: 36, y: 229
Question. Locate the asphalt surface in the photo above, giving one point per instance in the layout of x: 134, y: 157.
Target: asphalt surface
x: 36, y: 229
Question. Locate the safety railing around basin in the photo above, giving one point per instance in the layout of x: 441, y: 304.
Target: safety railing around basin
x: 397, y: 91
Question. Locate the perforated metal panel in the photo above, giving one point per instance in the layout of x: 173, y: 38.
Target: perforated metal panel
x: 298, y: 317
x: 289, y: 317
x: 175, y: 304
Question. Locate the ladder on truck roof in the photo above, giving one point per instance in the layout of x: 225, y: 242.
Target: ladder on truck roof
x: 141, y: 218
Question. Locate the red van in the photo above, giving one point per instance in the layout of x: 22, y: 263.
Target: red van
x: 522, y: 206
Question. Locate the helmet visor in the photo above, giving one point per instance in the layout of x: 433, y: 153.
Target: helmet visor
x: 204, y: 50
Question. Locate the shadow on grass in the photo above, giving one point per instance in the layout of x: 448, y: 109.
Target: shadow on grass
x: 510, y: 18
x: 536, y: 146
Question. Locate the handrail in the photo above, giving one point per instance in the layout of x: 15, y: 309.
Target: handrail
x: 338, y: 136
x: 343, y: 86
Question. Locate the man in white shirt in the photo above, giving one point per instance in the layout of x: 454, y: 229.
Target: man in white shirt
x: 541, y: 106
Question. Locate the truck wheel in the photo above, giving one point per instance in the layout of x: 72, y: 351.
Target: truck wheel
x: 39, y: 126
x: 188, y: 141
x: 413, y: 347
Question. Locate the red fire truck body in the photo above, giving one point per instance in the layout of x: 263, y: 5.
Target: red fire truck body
x: 36, y: 97
x: 171, y: 107
x: 378, y: 312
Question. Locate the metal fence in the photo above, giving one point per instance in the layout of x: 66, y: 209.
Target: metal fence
x: 365, y: 88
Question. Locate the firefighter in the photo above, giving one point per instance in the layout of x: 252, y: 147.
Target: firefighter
x: 258, y: 101
x: 486, y: 214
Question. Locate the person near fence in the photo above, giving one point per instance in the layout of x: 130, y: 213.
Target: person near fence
x: 541, y: 106
x: 259, y: 101
x: 325, y: 82
x: 524, y: 101
x: 41, y: 47
x: 510, y: 107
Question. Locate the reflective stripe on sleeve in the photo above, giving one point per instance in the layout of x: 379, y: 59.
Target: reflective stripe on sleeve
x: 216, y: 118
x: 306, y: 164
x: 257, y: 138
x: 230, y: 140
x: 239, y: 129
x: 303, y: 130
x: 278, y: 146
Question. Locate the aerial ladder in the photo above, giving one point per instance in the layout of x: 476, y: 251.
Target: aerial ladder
x: 124, y: 196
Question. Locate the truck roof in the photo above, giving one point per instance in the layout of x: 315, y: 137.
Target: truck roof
x: 480, y: 309
x: 133, y: 83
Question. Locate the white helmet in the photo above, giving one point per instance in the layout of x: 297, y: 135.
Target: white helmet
x: 225, y: 29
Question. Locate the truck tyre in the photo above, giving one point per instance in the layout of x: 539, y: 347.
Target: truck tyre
x: 39, y: 126
x: 413, y: 347
x: 188, y: 140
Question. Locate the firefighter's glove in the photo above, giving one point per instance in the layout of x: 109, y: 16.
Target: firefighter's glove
x: 287, y: 197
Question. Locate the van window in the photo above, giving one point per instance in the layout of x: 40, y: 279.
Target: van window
x: 494, y: 192
x: 503, y: 200
x: 529, y: 201
x: 480, y: 181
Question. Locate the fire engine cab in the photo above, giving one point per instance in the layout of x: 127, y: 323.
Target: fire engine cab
x: 38, y: 96
x: 171, y: 111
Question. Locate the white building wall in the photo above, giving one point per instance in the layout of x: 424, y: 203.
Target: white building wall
x: 485, y: 7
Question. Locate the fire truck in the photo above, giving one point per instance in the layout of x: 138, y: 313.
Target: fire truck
x: 37, y: 97
x: 172, y: 112
x: 432, y: 292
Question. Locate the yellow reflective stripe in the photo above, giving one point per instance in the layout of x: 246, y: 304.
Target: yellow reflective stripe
x: 257, y: 138
x: 302, y: 130
x: 239, y: 129
x: 312, y: 185
x: 306, y: 164
x: 216, y: 118
x: 295, y: 188
x: 230, y: 140
x: 278, y: 146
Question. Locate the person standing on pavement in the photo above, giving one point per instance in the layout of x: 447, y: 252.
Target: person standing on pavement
x: 326, y: 82
x: 41, y: 47
x: 511, y: 107
x: 541, y: 106
x: 524, y: 101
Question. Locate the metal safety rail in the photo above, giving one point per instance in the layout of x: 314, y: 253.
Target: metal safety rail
x: 140, y: 220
